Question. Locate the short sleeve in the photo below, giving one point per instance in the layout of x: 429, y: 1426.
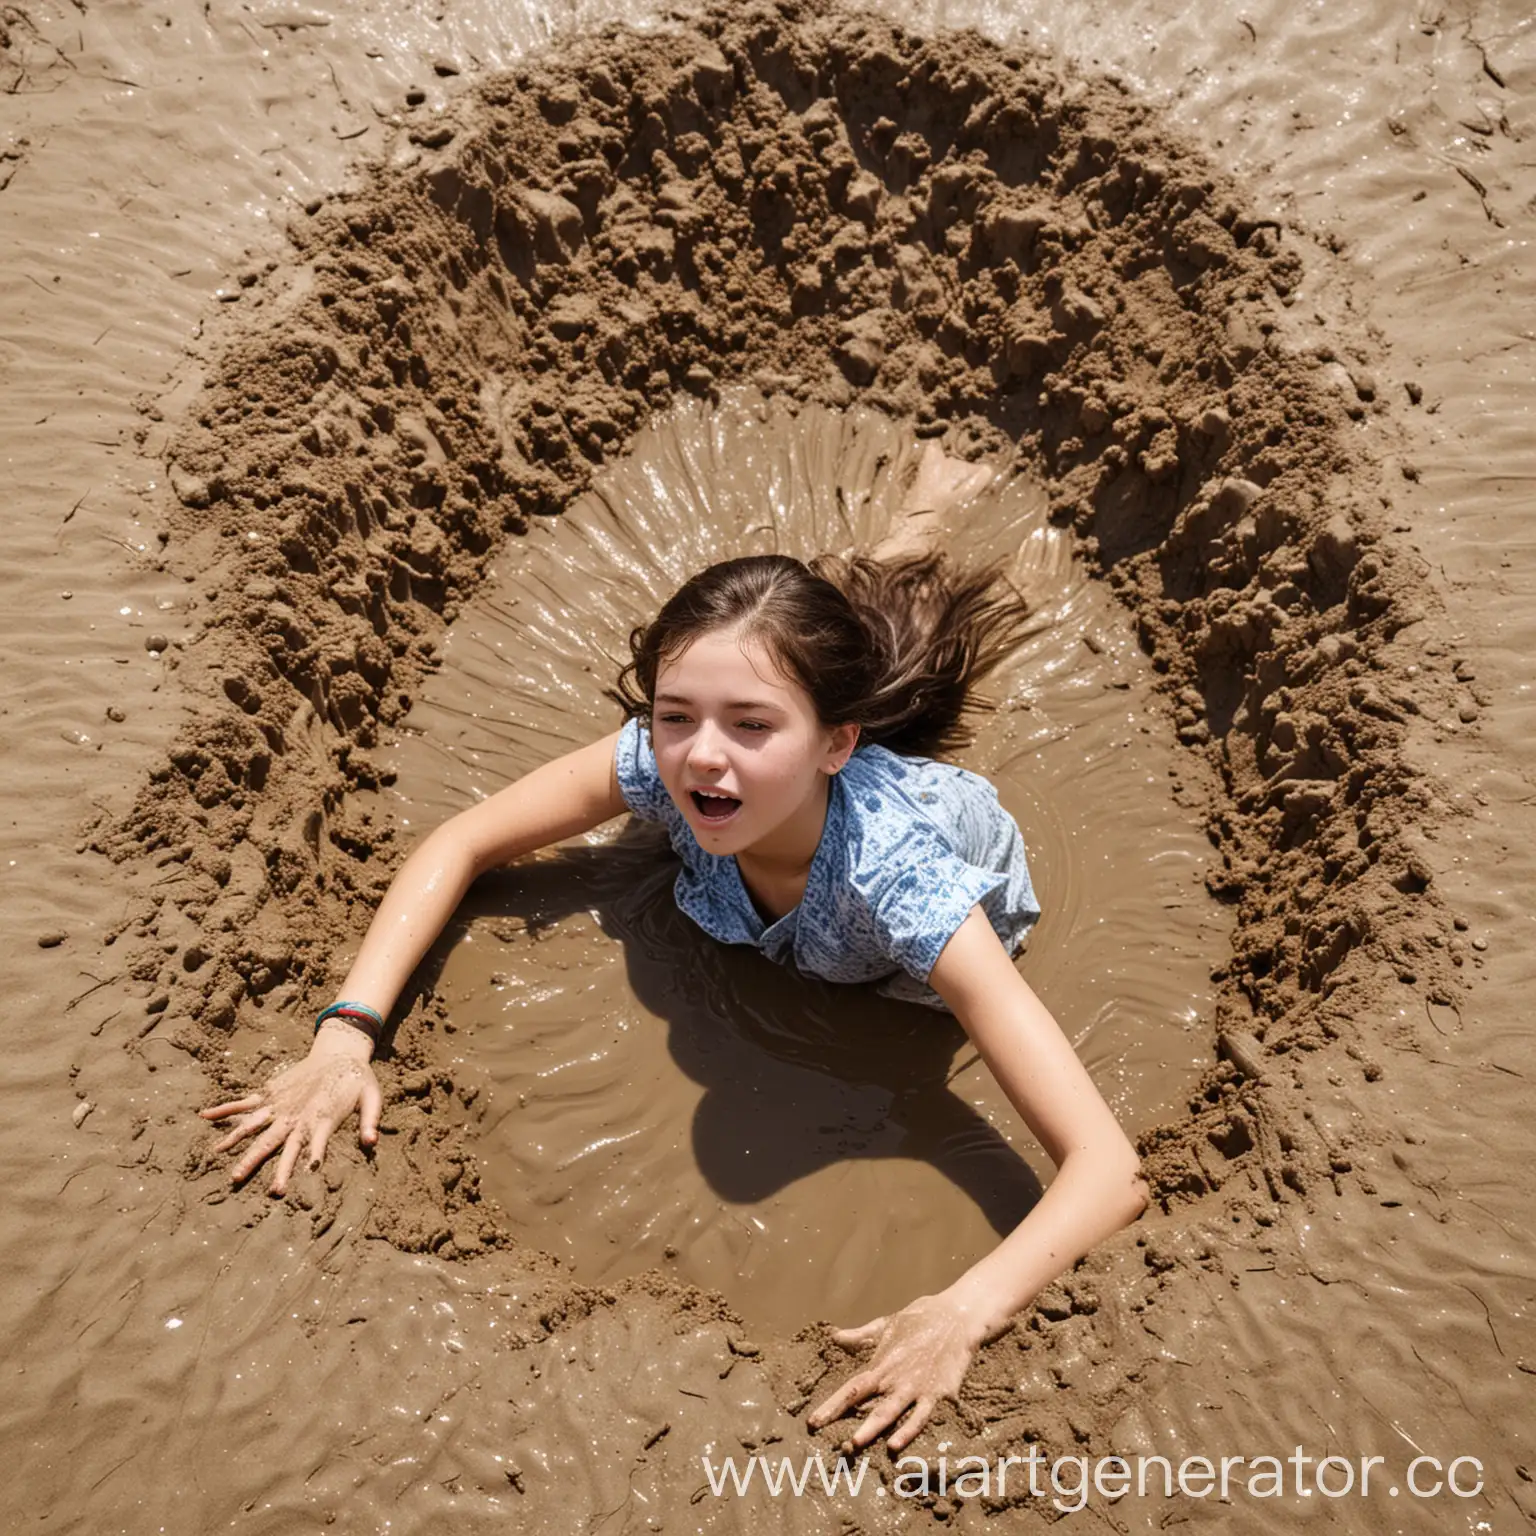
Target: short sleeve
x: 639, y: 779
x: 929, y: 895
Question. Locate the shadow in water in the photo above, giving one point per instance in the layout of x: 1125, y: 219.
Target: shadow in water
x: 798, y: 1073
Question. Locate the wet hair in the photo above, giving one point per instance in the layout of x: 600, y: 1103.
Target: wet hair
x: 895, y: 646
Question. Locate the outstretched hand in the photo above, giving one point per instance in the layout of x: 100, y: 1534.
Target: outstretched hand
x: 303, y: 1103
x: 921, y: 1355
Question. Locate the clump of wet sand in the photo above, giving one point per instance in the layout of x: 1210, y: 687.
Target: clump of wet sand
x: 832, y: 210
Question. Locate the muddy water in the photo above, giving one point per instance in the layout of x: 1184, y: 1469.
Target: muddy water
x: 661, y: 1099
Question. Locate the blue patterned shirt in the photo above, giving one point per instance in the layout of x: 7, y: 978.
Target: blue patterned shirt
x: 910, y: 845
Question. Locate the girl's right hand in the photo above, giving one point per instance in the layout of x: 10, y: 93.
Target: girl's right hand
x: 305, y: 1103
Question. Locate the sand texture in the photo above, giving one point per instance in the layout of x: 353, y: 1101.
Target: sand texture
x: 370, y: 370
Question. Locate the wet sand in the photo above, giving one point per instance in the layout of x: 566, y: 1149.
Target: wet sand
x: 1263, y: 344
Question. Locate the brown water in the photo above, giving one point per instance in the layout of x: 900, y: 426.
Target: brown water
x: 665, y: 1100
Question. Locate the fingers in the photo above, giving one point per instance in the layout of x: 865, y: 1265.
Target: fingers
x: 855, y: 1388
x: 922, y: 1411
x: 852, y: 1391
x: 261, y: 1149
x: 855, y: 1338
x: 291, y: 1149
x: 885, y: 1412
x: 259, y: 1118
x: 318, y: 1137
x: 233, y: 1107
x: 894, y: 1400
x: 890, y: 1405
x: 368, y: 1114
x: 304, y: 1111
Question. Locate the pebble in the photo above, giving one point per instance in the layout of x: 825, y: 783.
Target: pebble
x: 114, y: 713
x: 191, y: 490
x: 156, y: 643
x: 1244, y: 1051
x: 1236, y: 495
x: 52, y: 939
x: 81, y: 1110
x: 1480, y: 944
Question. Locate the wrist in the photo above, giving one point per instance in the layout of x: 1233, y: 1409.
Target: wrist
x: 363, y: 1016
x: 340, y: 1037
x: 981, y: 1315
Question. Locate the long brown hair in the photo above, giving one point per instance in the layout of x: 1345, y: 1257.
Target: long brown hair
x: 895, y: 646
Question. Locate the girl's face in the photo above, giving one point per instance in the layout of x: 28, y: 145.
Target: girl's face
x: 738, y: 745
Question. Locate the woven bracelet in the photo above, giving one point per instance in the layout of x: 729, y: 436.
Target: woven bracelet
x: 367, y: 1019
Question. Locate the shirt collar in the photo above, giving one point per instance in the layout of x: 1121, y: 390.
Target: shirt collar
x: 831, y: 830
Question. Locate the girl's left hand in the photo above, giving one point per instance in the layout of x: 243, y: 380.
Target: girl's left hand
x: 921, y: 1355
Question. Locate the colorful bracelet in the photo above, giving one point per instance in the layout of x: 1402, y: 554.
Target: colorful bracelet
x: 367, y: 1019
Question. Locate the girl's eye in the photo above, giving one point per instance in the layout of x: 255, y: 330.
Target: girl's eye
x: 750, y: 725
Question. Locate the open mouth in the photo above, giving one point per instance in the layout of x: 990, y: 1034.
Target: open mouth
x: 715, y: 809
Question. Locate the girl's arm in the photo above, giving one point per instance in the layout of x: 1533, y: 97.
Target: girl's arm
x: 922, y: 1352
x: 562, y: 798
x: 308, y: 1101
x: 1098, y: 1187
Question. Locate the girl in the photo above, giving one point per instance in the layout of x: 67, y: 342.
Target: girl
x: 780, y: 723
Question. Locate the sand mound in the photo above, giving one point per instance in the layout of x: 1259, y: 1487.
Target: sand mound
x: 831, y: 209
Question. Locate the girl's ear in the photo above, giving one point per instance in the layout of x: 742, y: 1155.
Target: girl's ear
x: 844, y: 739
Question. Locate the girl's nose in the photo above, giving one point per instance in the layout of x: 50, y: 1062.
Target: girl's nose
x: 707, y: 749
